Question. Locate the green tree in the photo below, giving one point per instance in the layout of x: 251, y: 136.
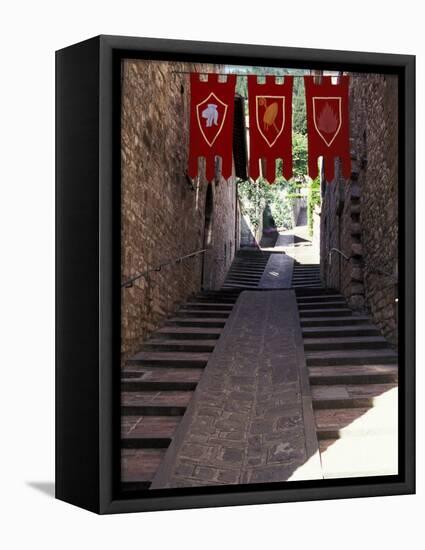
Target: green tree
x: 255, y: 195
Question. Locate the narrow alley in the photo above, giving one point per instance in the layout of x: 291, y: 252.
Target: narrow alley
x: 271, y: 378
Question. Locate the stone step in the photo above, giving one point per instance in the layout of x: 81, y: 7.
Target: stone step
x: 353, y: 374
x: 208, y: 306
x: 162, y: 344
x: 200, y: 333
x: 241, y: 285
x: 187, y: 312
x: 243, y: 280
x: 244, y: 276
x: 302, y: 306
x: 298, y: 280
x: 305, y: 276
x: 154, y: 379
x: 167, y: 385
x: 196, y: 322
x: 340, y: 332
x: 168, y: 359
x: 320, y: 298
x: 311, y: 283
x: 333, y: 424
x: 247, y: 268
x: 306, y: 282
x: 242, y: 270
x: 331, y: 312
x: 226, y: 294
x: 138, y: 467
x: 316, y: 283
x: 248, y: 272
x: 345, y: 343
x: 148, y: 427
x: 146, y: 442
x: 341, y: 423
x: 347, y: 320
x: 212, y: 299
x: 154, y: 403
x: 310, y: 286
x: 350, y: 357
x: 348, y: 396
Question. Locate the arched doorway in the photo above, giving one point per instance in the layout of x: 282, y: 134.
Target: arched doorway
x: 208, y: 237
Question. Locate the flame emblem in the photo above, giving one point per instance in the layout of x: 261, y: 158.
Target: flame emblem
x: 327, y: 117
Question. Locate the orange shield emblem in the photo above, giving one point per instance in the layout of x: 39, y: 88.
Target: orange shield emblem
x: 270, y: 117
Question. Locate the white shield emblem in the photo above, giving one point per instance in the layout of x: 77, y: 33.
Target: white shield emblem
x: 211, y: 114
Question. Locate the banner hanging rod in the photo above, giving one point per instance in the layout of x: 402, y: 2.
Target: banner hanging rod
x: 352, y: 75
x: 249, y: 74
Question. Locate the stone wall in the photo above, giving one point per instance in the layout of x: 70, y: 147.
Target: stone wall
x: 250, y: 236
x: 360, y: 216
x: 163, y: 212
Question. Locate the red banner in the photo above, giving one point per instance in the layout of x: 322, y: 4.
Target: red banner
x: 270, y: 126
x: 211, y: 123
x: 328, y: 125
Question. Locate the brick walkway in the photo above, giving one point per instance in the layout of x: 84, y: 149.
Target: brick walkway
x: 251, y: 417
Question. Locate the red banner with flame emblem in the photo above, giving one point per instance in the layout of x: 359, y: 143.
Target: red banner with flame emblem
x: 270, y: 126
x: 328, y: 125
x: 211, y: 123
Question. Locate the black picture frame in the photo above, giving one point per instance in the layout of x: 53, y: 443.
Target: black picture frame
x: 88, y: 272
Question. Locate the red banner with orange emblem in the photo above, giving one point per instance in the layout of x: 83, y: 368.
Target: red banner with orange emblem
x: 211, y: 123
x: 328, y: 125
x: 270, y: 126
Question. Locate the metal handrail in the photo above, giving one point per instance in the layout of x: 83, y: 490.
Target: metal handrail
x: 371, y: 270
x: 339, y: 252
x: 129, y: 282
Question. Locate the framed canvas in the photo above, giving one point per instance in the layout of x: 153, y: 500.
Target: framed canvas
x: 235, y: 274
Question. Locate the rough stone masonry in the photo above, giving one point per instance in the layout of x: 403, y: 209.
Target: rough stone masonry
x: 360, y: 216
x: 162, y: 214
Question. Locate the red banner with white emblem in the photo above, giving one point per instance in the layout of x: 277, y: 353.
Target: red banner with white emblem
x: 270, y: 126
x: 211, y: 123
x: 328, y: 125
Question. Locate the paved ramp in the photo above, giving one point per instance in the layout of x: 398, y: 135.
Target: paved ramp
x: 251, y: 417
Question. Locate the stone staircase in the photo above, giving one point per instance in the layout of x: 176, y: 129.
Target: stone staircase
x: 158, y: 382
x: 306, y: 275
x: 352, y: 371
x: 246, y: 269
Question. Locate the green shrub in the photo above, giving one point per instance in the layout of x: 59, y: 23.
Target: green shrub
x: 313, y: 200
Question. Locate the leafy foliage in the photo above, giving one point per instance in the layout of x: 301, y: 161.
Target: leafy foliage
x: 313, y: 200
x: 279, y: 196
x: 256, y: 196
